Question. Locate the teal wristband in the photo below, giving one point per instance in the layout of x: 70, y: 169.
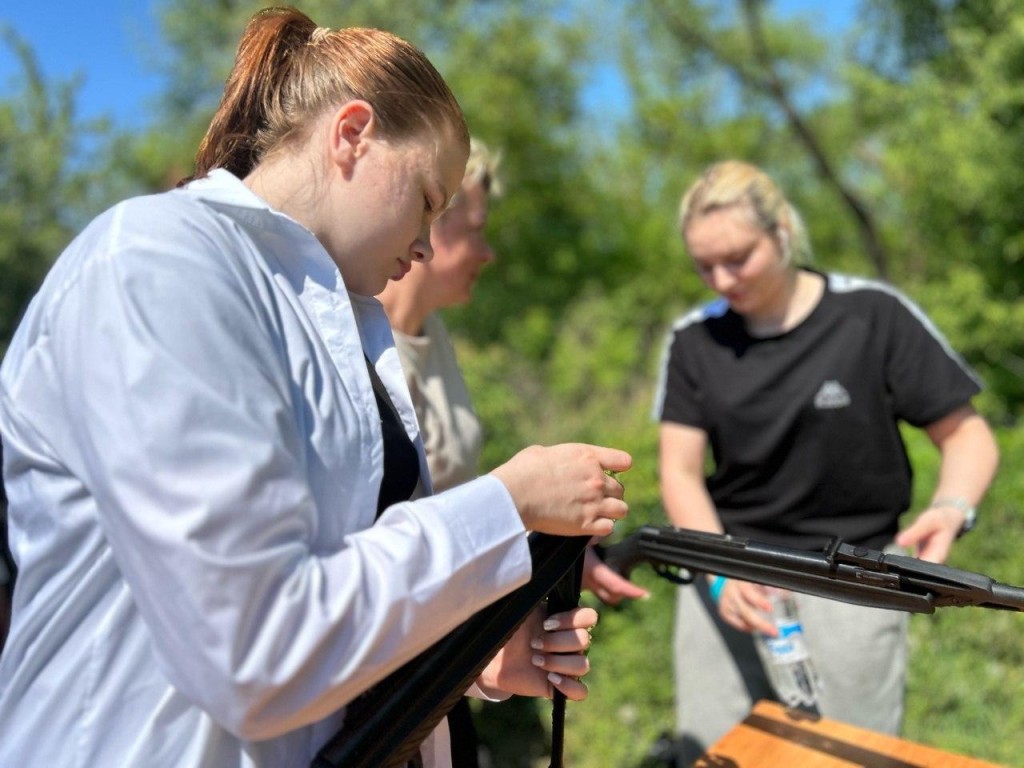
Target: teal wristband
x: 717, y: 585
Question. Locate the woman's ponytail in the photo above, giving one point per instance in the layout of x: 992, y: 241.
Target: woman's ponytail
x: 253, y: 90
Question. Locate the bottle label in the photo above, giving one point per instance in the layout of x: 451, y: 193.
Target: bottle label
x: 789, y: 645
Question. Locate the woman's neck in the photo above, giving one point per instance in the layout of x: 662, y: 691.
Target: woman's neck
x: 405, y: 312
x: 799, y: 296
x: 291, y: 183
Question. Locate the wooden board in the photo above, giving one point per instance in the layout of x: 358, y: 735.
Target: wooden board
x: 774, y: 736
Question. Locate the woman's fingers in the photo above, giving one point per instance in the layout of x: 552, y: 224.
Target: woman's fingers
x: 565, y: 489
x: 564, y: 672
x: 574, y: 618
x: 565, y: 664
x: 612, y: 459
x: 560, y: 651
x: 564, y: 641
x: 743, y: 606
x: 555, y: 645
x: 573, y: 689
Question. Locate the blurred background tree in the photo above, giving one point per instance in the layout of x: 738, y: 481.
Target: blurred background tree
x: 45, y: 176
x: 899, y: 138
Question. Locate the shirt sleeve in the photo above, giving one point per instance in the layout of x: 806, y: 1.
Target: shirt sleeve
x: 926, y: 377
x: 181, y: 422
x: 680, y: 399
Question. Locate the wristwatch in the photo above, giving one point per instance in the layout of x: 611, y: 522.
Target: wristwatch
x: 958, y: 502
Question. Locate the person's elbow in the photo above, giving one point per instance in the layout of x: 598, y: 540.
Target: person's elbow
x: 252, y: 715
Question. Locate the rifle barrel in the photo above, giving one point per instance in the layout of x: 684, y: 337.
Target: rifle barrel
x: 841, y: 571
x: 1006, y: 597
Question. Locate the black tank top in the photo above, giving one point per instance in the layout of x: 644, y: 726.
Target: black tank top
x: 401, y: 461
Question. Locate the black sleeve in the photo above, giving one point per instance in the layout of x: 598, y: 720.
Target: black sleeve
x: 682, y: 400
x: 927, y: 378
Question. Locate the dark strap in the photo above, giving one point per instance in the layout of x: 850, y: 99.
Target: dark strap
x: 563, y: 597
x: 386, y: 726
x: 401, y: 461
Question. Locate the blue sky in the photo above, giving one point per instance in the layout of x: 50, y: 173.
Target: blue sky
x: 109, y: 44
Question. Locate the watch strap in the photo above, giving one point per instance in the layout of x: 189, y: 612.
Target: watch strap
x: 959, y: 502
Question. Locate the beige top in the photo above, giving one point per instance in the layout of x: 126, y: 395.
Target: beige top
x: 452, y: 435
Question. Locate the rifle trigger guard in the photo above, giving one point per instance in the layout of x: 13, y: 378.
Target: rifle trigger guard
x: 674, y: 574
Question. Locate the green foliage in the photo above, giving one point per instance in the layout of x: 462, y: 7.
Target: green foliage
x: 967, y: 665
x: 950, y: 135
x: 631, y: 685
x: 44, y: 190
x: 986, y: 333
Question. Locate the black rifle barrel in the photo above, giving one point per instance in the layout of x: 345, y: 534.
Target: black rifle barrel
x: 839, y: 572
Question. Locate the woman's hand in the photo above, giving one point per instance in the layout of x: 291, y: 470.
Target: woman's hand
x: 609, y: 587
x: 544, y: 654
x: 564, y: 489
x: 932, y: 534
x: 745, y: 606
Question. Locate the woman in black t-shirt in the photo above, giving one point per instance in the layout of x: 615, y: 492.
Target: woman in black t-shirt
x: 797, y: 382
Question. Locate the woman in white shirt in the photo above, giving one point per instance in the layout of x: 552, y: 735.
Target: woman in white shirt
x: 193, y: 447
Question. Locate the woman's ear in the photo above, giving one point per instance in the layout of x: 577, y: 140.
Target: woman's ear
x: 783, y: 230
x: 350, y: 128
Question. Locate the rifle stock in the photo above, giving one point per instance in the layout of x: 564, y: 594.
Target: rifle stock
x: 840, y: 571
x: 386, y: 725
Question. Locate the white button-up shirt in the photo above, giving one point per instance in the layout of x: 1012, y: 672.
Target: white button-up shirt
x: 193, y: 454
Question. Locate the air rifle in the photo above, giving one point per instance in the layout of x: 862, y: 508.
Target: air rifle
x: 386, y: 725
x: 840, y: 571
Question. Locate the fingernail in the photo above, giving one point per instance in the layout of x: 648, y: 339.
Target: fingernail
x: 536, y: 644
x: 538, y: 660
x: 550, y: 624
x: 555, y: 678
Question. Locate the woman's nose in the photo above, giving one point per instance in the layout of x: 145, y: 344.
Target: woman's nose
x: 722, y: 278
x: 421, y: 250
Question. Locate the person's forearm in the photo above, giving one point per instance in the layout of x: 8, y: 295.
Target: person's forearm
x: 970, y: 457
x: 688, y: 504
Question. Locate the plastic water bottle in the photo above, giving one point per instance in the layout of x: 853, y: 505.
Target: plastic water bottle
x: 786, y: 658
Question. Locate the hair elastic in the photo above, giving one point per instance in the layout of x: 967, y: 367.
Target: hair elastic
x: 319, y: 34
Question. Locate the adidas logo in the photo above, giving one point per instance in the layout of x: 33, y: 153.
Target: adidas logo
x: 831, y: 395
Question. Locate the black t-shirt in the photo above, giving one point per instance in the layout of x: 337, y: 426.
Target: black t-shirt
x: 804, y: 426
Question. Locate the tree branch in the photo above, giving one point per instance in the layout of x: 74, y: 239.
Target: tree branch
x: 772, y: 84
x: 764, y: 78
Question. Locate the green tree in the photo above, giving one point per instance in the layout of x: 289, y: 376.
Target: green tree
x: 951, y: 133
x: 45, y: 176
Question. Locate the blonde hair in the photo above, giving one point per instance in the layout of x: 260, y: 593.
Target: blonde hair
x: 288, y: 71
x: 482, y: 168
x: 735, y: 184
